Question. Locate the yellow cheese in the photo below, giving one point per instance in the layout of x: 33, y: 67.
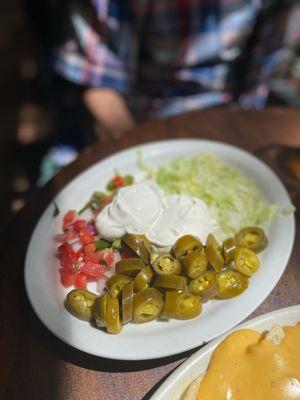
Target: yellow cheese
x: 249, y: 366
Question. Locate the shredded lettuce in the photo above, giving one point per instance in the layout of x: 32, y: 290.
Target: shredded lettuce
x: 234, y: 201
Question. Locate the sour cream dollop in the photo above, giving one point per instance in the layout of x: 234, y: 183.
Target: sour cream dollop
x: 182, y: 215
x: 143, y: 208
x: 134, y: 209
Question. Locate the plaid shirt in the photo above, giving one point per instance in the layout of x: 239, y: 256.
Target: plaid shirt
x: 172, y: 56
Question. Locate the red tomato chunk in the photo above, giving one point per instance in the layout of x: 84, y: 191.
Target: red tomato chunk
x: 86, y: 264
x: 80, y: 281
x: 67, y: 256
x: 85, y: 236
x: 89, y: 249
x: 79, y: 224
x: 69, y: 218
x: 67, y: 278
x: 106, y: 255
x: 118, y: 181
x: 93, y: 270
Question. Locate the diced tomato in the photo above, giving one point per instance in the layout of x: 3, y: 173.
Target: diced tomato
x: 93, y: 270
x: 79, y: 224
x: 69, y: 218
x: 67, y: 278
x: 70, y: 234
x: 67, y: 256
x: 85, y: 236
x: 65, y: 248
x: 118, y: 181
x: 80, y: 281
x: 89, y: 249
x: 66, y: 262
x: 109, y: 257
x: 95, y: 257
x: 106, y: 255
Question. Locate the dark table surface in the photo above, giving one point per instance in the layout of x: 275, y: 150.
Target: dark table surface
x: 36, y: 365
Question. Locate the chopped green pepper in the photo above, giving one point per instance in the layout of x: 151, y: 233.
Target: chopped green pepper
x: 139, y: 244
x: 170, y: 282
x: 181, y: 305
x: 147, y: 305
x: 245, y: 261
x: 113, y: 322
x: 102, y: 244
x: 127, y: 302
x: 170, y: 306
x: 205, y: 285
x: 194, y: 264
x: 153, y: 257
x: 100, y: 310
x: 228, y: 248
x: 80, y: 303
x: 231, y: 284
x: 128, y: 179
x: 116, y: 283
x: 96, y: 201
x: 117, y: 244
x: 186, y: 244
x: 253, y: 238
x: 188, y: 306
x: 165, y: 264
x: 130, y: 266
x: 143, y: 279
x: 213, y: 252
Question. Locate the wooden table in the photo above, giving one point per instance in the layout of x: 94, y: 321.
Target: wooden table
x: 36, y: 365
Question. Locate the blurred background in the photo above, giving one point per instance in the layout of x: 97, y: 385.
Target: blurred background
x: 38, y: 108
x: 44, y: 122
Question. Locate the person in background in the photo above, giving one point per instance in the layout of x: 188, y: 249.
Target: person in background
x: 139, y: 59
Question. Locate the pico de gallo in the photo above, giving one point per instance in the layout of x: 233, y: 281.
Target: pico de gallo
x: 85, y: 257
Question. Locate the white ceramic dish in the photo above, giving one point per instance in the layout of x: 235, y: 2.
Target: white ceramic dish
x: 196, y: 365
x: 155, y: 339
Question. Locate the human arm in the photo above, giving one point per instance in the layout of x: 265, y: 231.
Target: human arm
x: 96, y: 55
x: 109, y: 109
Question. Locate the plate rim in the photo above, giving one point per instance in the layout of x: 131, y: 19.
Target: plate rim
x: 209, y: 347
x: 145, y: 147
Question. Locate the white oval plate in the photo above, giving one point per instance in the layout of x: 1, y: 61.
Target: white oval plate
x: 154, y: 339
x: 196, y: 365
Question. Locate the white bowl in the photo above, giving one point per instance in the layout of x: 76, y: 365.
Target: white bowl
x: 197, y: 364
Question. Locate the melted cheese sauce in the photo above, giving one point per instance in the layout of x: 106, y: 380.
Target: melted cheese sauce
x: 247, y: 366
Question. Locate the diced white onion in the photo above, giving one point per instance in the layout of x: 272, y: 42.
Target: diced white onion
x: 109, y: 273
x: 76, y: 244
x: 101, y: 284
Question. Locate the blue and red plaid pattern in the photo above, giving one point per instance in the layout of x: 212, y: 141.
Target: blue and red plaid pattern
x: 170, y: 55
